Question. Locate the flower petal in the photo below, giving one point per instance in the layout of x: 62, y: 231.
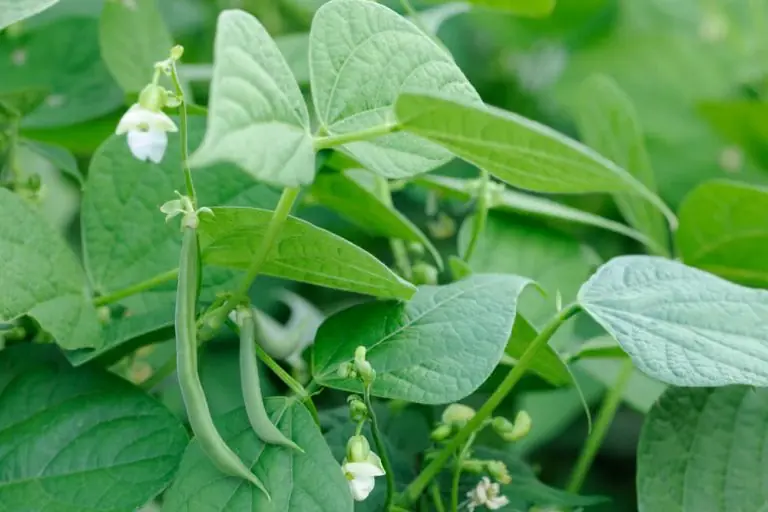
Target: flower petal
x: 361, y: 487
x: 131, y: 119
x: 497, y: 502
x: 161, y: 122
x: 363, y: 469
x: 148, y: 145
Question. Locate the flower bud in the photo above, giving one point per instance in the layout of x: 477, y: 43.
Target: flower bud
x: 153, y: 97
x: 424, y: 273
x: 416, y: 249
x: 360, y: 353
x: 357, y: 408
x: 441, y: 433
x: 358, y: 449
x: 473, y: 466
x: 523, y: 424
x: 363, y: 367
x: 346, y: 371
x: 457, y: 415
x: 176, y: 52
x: 498, y: 470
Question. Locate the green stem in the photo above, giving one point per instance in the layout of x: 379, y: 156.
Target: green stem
x: 150, y: 283
x: 428, y: 473
x: 159, y: 375
x: 605, y: 417
x: 183, y: 133
x: 481, y: 215
x: 332, y: 141
x: 399, y: 251
x: 382, y: 451
x: 457, y: 473
x: 437, y: 499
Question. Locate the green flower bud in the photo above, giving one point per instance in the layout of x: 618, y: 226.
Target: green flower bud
x: 357, y: 408
x: 153, y: 97
x: 363, y: 367
x: 457, y: 415
x: 358, y: 449
x: 498, y: 470
x: 441, y: 433
x: 473, y: 466
x: 177, y: 51
x: 424, y: 273
x: 346, y: 371
x: 416, y: 249
x: 523, y: 424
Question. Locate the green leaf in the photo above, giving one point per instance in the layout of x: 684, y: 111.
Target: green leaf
x: 62, y: 58
x: 42, y: 278
x: 302, y: 252
x: 357, y: 71
x: 547, y: 363
x: 641, y: 391
x: 125, y: 237
x: 58, y: 156
x: 454, y: 336
x: 519, y: 151
x: 132, y: 37
x: 527, y: 8
x: 703, y: 450
x: 680, y: 325
x: 12, y: 11
x: 518, y: 202
x: 297, y: 482
x: 556, y: 261
x: 743, y: 123
x: 347, y: 193
x: 257, y: 117
x: 81, y: 440
x: 433, y: 18
x: 608, y: 123
x: 723, y: 230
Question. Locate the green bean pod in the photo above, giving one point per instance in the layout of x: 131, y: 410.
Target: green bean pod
x: 249, y: 380
x: 192, y: 392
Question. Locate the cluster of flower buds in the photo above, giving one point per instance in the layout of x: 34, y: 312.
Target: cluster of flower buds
x: 359, y: 368
x: 453, y: 419
x: 513, y: 431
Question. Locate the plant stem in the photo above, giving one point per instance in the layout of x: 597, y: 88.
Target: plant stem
x: 150, y: 283
x: 399, y: 251
x: 159, y: 375
x: 605, y: 417
x: 436, y: 498
x: 183, y: 133
x: 457, y: 474
x: 481, y: 215
x: 331, y: 141
x: 428, y: 473
x: 382, y: 451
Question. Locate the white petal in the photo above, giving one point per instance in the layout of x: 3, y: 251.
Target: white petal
x: 361, y: 487
x: 132, y: 119
x: 363, y: 469
x: 497, y: 503
x: 148, y: 145
x: 160, y: 121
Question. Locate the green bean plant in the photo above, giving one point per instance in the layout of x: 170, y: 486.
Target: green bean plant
x: 214, y: 344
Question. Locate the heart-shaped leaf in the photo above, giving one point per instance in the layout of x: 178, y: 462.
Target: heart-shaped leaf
x: 680, y: 325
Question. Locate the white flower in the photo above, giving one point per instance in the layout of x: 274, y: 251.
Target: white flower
x: 146, y: 129
x: 486, y: 494
x: 361, y: 475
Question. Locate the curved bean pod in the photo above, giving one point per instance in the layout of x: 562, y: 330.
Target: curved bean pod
x: 249, y: 380
x: 192, y: 392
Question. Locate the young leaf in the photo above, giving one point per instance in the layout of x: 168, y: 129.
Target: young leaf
x: 357, y: 68
x: 519, y: 202
x: 680, y: 325
x: 454, y: 336
x: 346, y: 193
x: 12, y: 11
x: 257, y: 117
x: 42, y: 278
x: 302, y: 252
x: 519, y: 151
x: 608, y: 123
x: 297, y: 482
x: 703, y: 450
x: 723, y: 230
x: 82, y: 440
x: 132, y: 37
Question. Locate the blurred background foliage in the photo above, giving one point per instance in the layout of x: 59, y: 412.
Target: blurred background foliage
x: 695, y: 70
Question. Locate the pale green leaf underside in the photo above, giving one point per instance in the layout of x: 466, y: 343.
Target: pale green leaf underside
x: 132, y: 37
x: 257, y: 117
x: 12, y: 11
x: 437, y: 348
x: 724, y: 230
x: 361, y: 56
x: 346, y: 194
x: 41, y: 277
x: 82, y: 440
x: 519, y: 202
x: 608, y: 123
x: 297, y: 482
x: 302, y: 252
x: 680, y: 325
x: 703, y: 450
x: 517, y: 150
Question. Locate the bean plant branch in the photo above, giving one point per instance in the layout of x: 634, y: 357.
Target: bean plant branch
x: 183, y: 133
x: 481, y: 215
x: 605, y: 417
x: 414, y: 490
x: 143, y: 286
x: 463, y: 452
x: 332, y: 141
x: 399, y: 251
x: 382, y: 451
